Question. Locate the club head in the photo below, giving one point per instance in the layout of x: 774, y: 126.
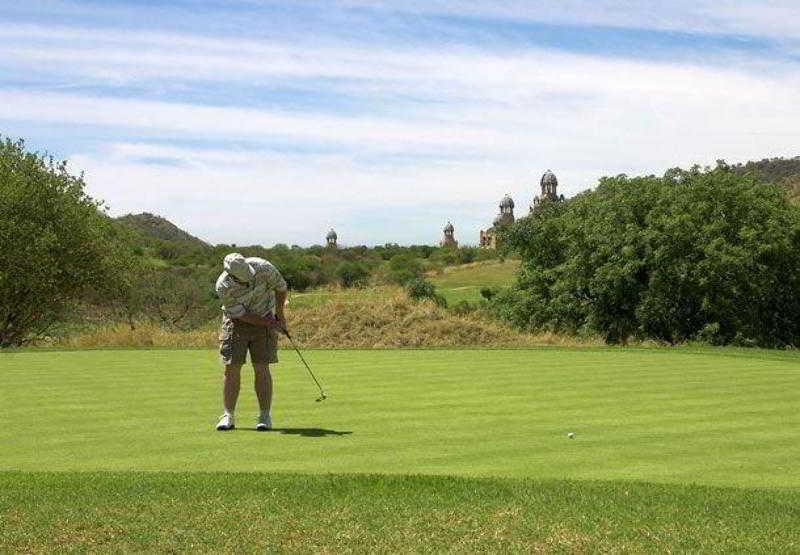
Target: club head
x: 321, y: 398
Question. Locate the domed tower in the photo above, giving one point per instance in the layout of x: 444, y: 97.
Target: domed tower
x: 449, y: 239
x: 506, y: 215
x: 331, y: 239
x: 489, y: 237
x: 549, y: 183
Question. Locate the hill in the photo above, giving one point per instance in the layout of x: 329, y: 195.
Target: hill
x: 781, y: 171
x: 152, y: 225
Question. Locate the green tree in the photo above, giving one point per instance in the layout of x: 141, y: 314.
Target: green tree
x: 55, y: 243
x: 708, y: 254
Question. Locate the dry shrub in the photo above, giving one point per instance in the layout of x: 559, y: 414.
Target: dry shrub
x: 145, y: 334
x: 379, y: 318
x: 388, y: 318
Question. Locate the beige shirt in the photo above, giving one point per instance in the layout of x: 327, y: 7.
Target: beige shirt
x: 255, y: 297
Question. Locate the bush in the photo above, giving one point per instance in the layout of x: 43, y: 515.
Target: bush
x: 420, y: 288
x: 694, y: 255
x: 55, y: 243
x: 350, y: 274
x: 403, y: 268
x: 489, y: 293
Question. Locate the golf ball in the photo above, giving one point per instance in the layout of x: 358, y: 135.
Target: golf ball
x: 571, y: 435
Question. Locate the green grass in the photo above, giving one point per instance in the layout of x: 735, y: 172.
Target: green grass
x: 146, y: 512
x: 653, y: 415
x: 455, y: 284
x: 464, y: 283
x: 675, y: 450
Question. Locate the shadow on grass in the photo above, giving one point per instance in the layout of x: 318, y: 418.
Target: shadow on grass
x: 304, y: 432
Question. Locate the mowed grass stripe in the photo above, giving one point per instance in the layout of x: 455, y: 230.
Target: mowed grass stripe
x: 711, y: 416
x: 146, y: 512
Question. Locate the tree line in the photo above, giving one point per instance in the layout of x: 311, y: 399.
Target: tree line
x: 705, y: 254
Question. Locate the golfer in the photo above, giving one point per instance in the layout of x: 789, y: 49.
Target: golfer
x: 253, y: 295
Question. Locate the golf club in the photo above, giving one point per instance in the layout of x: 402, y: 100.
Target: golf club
x: 322, y: 395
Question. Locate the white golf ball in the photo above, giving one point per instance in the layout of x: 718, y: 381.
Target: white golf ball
x: 571, y: 435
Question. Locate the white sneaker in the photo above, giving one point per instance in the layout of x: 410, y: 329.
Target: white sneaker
x: 226, y: 423
x: 264, y: 423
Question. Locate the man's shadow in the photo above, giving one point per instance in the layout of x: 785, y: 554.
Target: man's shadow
x: 308, y: 432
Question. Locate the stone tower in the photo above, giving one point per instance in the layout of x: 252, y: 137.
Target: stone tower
x: 506, y: 215
x: 331, y: 238
x: 449, y: 239
x: 488, y: 237
x: 549, y: 184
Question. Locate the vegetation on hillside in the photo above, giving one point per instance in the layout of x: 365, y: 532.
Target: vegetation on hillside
x: 156, y: 227
x: 710, y: 255
x: 779, y: 171
x: 370, y: 318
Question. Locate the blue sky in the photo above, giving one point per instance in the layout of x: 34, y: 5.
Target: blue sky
x: 260, y: 121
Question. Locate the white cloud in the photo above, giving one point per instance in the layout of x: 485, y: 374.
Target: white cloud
x: 773, y: 18
x: 443, y: 133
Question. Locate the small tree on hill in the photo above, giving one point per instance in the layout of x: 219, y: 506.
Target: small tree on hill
x: 55, y: 242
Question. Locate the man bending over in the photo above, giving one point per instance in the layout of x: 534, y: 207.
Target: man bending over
x: 253, y: 295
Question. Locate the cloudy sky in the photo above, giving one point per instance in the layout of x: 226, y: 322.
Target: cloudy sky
x: 260, y: 121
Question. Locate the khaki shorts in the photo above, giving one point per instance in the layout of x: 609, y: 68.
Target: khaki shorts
x: 237, y: 337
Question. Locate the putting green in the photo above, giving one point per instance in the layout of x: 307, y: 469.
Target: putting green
x: 715, y: 417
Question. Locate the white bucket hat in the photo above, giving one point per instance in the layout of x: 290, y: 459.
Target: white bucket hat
x: 236, y: 265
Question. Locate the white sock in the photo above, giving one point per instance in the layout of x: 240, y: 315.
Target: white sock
x: 266, y: 413
x: 228, y: 413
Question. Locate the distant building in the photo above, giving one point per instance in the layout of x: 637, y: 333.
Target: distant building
x: 549, y: 184
x: 449, y: 239
x: 331, y: 238
x: 489, y: 237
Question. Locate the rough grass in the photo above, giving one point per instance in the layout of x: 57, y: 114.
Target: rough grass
x: 364, y: 318
x: 257, y: 513
x: 144, y: 334
x: 392, y: 320
x: 325, y: 295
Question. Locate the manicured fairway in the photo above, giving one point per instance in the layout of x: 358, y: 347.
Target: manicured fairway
x: 724, y: 418
x: 676, y: 450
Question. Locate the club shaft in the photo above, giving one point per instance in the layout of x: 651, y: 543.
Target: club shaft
x: 299, y: 354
